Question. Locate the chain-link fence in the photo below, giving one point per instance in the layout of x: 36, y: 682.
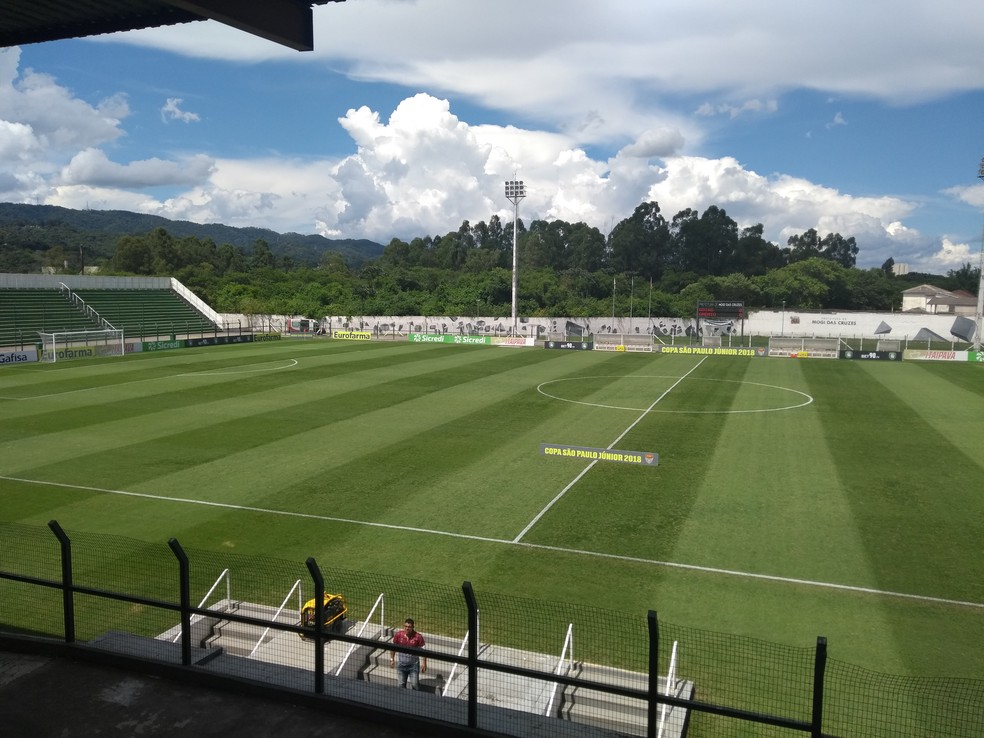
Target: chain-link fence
x: 504, y: 664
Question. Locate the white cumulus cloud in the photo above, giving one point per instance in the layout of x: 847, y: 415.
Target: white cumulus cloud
x: 92, y: 167
x: 172, y: 111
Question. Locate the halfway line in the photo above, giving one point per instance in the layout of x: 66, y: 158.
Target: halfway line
x: 611, y: 445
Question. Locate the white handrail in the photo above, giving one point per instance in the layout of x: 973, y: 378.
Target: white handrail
x: 365, y: 623
x: 276, y: 615
x: 670, y: 685
x: 464, y: 642
x: 225, y: 573
x: 85, y: 307
x: 568, y: 641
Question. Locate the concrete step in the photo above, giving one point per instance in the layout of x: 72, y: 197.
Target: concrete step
x: 527, y: 694
x: 608, y: 717
x: 613, y: 712
x: 623, y: 718
x: 344, y: 660
x: 240, y: 639
x: 590, y: 698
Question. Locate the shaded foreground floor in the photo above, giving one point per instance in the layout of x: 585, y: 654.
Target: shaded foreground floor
x: 43, y: 696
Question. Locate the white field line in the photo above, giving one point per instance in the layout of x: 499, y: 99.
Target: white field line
x: 248, y: 508
x: 808, y: 398
x: 507, y: 542
x: 611, y: 445
x: 215, y: 372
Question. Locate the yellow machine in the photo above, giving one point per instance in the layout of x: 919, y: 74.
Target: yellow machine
x: 335, y: 610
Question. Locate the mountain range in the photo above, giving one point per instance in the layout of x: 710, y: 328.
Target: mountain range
x: 38, y: 227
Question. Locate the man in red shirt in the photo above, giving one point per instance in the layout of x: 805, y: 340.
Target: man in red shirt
x: 409, y: 666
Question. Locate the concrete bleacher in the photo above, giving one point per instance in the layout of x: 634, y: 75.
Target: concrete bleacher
x: 146, y: 312
x: 237, y: 645
x: 26, y: 312
x: 139, y: 312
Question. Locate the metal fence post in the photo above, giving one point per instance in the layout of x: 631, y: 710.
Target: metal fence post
x: 652, y: 707
x: 184, y: 577
x: 68, y: 593
x: 472, y: 605
x: 319, y: 618
x: 819, y: 669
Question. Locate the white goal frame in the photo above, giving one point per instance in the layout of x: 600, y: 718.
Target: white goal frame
x: 67, y: 345
x: 631, y: 342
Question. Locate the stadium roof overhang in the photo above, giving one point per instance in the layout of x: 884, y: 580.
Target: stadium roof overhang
x: 287, y: 22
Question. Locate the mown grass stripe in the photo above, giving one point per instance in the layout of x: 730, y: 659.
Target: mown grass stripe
x: 915, y: 496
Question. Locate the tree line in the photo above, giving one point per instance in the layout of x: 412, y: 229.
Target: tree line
x: 647, y: 264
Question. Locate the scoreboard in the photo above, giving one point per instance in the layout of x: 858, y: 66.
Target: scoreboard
x: 733, y: 309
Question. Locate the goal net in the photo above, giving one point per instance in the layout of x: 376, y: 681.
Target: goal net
x: 623, y: 342
x: 67, y: 345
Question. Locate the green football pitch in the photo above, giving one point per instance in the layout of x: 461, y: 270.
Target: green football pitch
x: 792, y: 498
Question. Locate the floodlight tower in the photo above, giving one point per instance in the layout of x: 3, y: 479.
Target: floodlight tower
x: 980, y: 283
x: 515, y: 191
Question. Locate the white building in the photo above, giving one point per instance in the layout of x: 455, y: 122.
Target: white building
x: 937, y: 301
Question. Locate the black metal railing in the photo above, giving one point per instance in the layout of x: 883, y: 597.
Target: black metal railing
x: 26, y: 559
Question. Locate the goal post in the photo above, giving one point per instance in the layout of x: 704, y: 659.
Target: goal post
x: 631, y: 342
x: 67, y: 345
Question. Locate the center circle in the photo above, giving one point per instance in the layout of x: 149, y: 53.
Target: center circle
x: 800, y: 399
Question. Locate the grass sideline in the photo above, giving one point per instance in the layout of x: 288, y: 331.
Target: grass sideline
x: 857, y: 516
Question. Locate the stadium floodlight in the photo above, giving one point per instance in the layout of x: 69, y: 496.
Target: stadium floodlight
x: 979, y: 317
x: 515, y: 191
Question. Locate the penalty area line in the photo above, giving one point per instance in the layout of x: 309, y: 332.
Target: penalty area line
x: 520, y: 544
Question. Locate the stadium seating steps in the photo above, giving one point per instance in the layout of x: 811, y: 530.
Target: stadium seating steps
x: 143, y: 313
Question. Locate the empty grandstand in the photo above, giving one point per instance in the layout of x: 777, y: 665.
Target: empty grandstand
x: 148, y: 307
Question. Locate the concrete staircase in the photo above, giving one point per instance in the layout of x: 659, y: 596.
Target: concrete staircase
x: 594, y: 709
x: 613, y: 712
x: 240, y: 639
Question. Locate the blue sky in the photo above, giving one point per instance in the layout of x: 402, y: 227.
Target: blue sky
x: 408, y: 116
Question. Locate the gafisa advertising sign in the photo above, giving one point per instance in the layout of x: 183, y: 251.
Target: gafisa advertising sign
x: 12, y: 358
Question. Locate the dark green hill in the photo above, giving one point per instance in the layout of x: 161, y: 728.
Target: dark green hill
x: 32, y: 228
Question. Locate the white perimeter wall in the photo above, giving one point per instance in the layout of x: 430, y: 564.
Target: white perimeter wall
x: 897, y: 326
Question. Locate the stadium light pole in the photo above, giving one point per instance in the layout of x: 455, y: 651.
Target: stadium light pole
x: 979, y: 323
x: 515, y: 191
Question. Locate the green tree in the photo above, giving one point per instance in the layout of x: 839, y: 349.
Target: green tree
x: 870, y: 289
x: 833, y: 247
x: 641, y: 243
x: 706, y: 243
x: 586, y: 247
x: 754, y: 254
x: 261, y: 257
x: 133, y: 256
x: 842, y: 250
x: 451, y: 252
x: 798, y: 285
x: 966, y: 277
